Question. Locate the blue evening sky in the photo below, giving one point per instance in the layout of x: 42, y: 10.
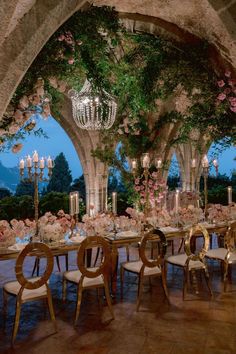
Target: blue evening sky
x: 59, y: 141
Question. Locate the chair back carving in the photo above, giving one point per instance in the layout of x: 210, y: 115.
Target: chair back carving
x: 33, y: 248
x: 194, y: 231
x: 154, y: 235
x: 230, y: 237
x: 91, y: 242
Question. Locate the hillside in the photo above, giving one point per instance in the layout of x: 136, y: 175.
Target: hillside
x: 9, y: 177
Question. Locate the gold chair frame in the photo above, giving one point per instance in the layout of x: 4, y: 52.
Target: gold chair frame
x: 30, y: 285
x: 200, y: 256
x: 152, y: 236
x: 103, y: 269
x: 229, y: 243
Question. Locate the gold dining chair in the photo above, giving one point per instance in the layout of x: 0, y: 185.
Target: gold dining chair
x: 148, y: 267
x: 26, y: 290
x: 191, y: 262
x: 87, y: 278
x: 226, y: 255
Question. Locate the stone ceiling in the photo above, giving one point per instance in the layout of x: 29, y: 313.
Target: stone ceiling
x: 26, y: 25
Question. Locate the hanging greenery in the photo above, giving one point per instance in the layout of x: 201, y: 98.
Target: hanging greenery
x: 143, y: 72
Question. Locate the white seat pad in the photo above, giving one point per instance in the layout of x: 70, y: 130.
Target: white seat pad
x: 219, y: 253
x: 180, y: 260
x: 136, y: 268
x: 13, y: 287
x: 75, y: 275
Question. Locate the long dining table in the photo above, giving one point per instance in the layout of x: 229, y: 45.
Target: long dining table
x: 115, y: 243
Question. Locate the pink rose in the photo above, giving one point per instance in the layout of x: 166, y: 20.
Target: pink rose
x: 233, y: 109
x: 227, y: 90
x: 61, y: 38
x: 221, y: 83
x: 221, y: 97
x: 228, y: 73
x: 71, y: 61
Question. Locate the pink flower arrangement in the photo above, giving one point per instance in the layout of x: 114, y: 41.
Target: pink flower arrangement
x: 219, y: 213
x: 189, y: 215
x: 228, y: 91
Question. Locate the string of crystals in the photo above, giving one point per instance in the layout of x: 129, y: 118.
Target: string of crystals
x: 91, y: 110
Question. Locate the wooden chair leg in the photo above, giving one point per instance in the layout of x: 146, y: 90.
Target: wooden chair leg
x: 163, y: 280
x: 64, y: 285
x: 127, y: 253
x: 78, y: 304
x: 38, y: 265
x: 51, y: 310
x: 206, y: 274
x: 122, y: 271
x: 96, y: 258
x: 58, y: 263
x: 67, y: 261
x: 226, y: 271
x: 108, y: 297
x: 35, y: 265
x: 17, y: 321
x: 140, y: 288
x: 4, y: 309
x: 185, y: 282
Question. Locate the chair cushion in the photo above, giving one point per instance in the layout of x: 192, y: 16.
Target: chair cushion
x: 13, y: 287
x: 180, y: 260
x: 218, y: 253
x: 75, y: 275
x: 137, y: 265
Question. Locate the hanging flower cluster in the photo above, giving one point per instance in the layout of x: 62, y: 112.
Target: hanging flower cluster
x: 227, y: 93
x: 153, y: 189
x: 129, y: 127
x: 68, y: 48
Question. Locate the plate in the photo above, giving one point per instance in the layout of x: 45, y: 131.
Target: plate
x: 127, y: 234
x: 77, y: 239
x: 17, y: 246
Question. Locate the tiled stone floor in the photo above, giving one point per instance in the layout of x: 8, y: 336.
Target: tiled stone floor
x: 197, y: 325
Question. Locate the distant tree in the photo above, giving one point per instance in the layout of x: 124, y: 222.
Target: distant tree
x: 173, y: 182
x: 54, y: 201
x: 4, y: 192
x: 16, y: 207
x: 25, y: 188
x: 61, y: 176
x: 79, y: 185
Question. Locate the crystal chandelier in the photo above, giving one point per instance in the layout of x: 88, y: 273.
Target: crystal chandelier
x: 93, y: 110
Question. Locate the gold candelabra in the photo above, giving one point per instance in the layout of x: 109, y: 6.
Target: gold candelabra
x: 35, y: 174
x: 145, y: 163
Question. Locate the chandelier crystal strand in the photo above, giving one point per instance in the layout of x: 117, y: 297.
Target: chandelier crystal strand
x: 91, y: 110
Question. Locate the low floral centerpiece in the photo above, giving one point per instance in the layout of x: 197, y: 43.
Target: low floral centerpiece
x: 52, y: 228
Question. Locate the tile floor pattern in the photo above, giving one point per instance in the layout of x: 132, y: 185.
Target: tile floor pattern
x: 197, y: 325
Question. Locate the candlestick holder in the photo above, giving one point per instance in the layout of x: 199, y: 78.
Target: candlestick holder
x: 74, y: 210
x: 35, y: 174
x: 205, y: 173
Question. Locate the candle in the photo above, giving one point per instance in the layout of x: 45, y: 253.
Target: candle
x: 29, y: 161
x: 49, y: 161
x: 35, y: 156
x: 41, y: 163
x: 22, y: 164
x: 159, y: 163
x: 134, y: 164
x: 193, y: 163
x: 215, y: 163
x: 229, y: 195
x: 177, y: 201
x: 76, y: 202
x: 114, y: 203
x: 71, y: 204
x: 145, y: 160
x: 205, y: 162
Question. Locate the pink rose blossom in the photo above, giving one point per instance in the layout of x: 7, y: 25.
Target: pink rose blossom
x: 221, y: 97
x: 71, y: 61
x: 228, y: 73
x: 227, y: 90
x: 221, y: 83
x: 233, y: 109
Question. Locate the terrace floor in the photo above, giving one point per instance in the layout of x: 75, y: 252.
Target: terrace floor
x: 196, y: 325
